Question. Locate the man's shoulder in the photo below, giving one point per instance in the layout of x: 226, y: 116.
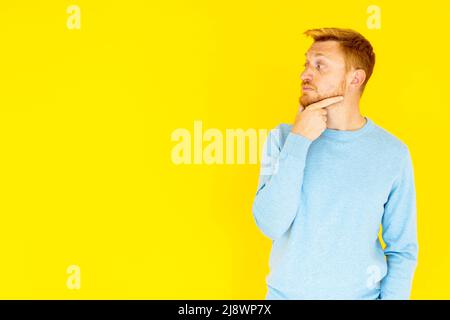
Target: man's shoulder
x: 389, y: 142
x: 280, y: 133
x: 386, y: 140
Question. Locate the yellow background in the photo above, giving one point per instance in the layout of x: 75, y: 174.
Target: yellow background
x: 85, y: 123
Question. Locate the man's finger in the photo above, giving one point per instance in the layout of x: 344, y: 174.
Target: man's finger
x: 325, y: 103
x: 300, y: 106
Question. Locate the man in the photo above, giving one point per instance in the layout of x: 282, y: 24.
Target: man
x: 328, y: 182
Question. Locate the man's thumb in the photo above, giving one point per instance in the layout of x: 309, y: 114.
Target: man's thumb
x: 300, y: 107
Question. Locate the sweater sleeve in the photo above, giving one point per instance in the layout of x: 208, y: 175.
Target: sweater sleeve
x: 399, y: 232
x: 280, y: 181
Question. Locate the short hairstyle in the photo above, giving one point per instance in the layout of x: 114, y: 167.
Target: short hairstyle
x: 357, y: 50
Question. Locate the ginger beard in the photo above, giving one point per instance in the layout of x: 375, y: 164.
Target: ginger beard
x: 311, y: 96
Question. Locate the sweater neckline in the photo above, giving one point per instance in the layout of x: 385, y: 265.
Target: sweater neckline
x: 346, y: 135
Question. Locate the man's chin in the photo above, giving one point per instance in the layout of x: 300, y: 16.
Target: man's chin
x: 307, y: 100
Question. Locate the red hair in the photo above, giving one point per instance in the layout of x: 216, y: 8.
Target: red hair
x: 357, y: 50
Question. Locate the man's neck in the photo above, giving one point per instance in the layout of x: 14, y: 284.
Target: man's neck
x: 345, y: 116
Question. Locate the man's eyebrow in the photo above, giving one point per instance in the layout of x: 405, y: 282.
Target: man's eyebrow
x: 318, y: 54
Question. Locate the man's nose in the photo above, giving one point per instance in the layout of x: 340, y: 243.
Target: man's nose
x: 306, y: 75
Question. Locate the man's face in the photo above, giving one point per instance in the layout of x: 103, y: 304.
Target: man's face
x: 324, y: 75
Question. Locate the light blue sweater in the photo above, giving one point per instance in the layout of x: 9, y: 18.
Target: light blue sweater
x: 322, y: 203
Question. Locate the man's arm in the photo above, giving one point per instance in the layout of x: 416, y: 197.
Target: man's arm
x: 280, y: 182
x: 400, y: 235
x: 281, y: 179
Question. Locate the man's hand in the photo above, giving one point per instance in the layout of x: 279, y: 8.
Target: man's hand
x: 312, y: 121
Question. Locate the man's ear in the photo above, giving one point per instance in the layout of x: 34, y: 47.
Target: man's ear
x: 358, y: 77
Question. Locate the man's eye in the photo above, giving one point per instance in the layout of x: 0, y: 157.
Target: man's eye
x: 318, y: 66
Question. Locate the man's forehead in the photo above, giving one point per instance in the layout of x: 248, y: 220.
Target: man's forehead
x: 328, y: 49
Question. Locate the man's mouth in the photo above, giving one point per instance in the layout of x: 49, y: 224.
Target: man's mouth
x: 306, y: 88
